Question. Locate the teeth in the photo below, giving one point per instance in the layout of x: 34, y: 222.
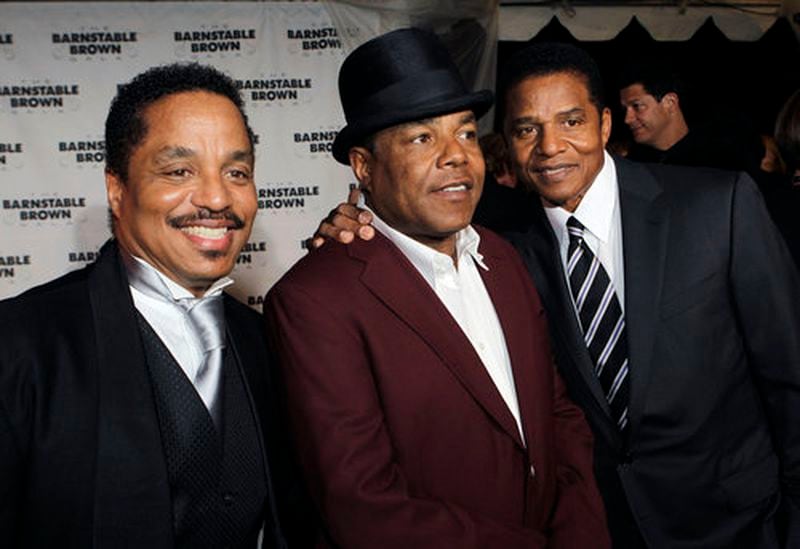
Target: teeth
x: 205, y: 232
x: 455, y: 189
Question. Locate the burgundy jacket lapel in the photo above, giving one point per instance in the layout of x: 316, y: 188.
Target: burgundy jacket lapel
x: 397, y: 283
x: 511, y: 307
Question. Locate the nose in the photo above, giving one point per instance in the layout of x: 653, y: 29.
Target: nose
x: 212, y: 192
x: 453, y: 153
x: 550, y: 142
x: 629, y: 115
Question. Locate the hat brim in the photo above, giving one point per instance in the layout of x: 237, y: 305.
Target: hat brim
x: 479, y: 102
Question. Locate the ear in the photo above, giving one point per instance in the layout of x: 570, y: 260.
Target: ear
x: 605, y: 125
x: 670, y: 100
x: 115, y: 192
x: 361, y: 164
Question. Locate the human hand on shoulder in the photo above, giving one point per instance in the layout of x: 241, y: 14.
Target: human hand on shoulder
x: 344, y: 222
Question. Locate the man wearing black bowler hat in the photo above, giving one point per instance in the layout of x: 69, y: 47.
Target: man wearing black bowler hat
x: 421, y: 389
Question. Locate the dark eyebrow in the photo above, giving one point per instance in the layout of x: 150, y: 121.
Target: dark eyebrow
x: 576, y: 110
x: 523, y: 120
x: 468, y: 118
x: 172, y: 153
x: 243, y: 156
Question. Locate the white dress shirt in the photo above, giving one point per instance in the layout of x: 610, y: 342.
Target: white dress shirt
x: 169, y: 320
x: 463, y: 293
x: 599, y: 213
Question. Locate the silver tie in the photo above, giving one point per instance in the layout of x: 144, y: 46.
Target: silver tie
x: 207, y: 317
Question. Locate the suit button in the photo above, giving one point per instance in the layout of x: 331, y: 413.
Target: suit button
x: 228, y: 499
x: 533, y: 472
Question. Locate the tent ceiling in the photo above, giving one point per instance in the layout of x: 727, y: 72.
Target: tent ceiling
x: 667, y: 21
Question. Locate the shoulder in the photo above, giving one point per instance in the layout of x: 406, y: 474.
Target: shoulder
x: 493, y: 243
x: 45, y: 303
x: 684, y: 187
x: 334, y: 266
x: 504, y: 257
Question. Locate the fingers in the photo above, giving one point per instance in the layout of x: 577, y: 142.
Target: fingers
x: 343, y: 223
x: 366, y: 232
x: 353, y: 196
x: 348, y: 211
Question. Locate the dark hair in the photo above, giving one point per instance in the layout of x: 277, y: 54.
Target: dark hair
x: 125, y: 124
x: 548, y: 58
x: 787, y: 132
x: 657, y: 76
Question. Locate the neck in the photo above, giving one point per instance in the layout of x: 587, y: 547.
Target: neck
x: 446, y: 245
x: 677, y: 130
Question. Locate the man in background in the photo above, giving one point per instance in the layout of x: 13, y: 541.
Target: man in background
x: 653, y: 96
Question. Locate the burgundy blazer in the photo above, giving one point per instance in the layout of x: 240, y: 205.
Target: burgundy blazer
x: 403, y: 437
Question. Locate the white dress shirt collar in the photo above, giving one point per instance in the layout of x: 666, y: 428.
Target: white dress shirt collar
x: 179, y: 292
x: 425, y: 258
x: 596, y: 209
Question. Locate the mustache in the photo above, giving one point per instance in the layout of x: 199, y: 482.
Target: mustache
x: 206, y: 214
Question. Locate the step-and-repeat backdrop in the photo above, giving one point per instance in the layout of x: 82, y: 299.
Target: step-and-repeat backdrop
x: 60, y: 64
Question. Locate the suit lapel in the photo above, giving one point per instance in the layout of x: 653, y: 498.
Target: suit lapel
x: 132, y: 501
x: 511, y: 310
x: 552, y: 286
x: 246, y: 340
x: 645, y: 229
x: 396, y: 282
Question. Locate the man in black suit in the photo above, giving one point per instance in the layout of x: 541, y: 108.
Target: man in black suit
x: 691, y: 376
x: 135, y: 405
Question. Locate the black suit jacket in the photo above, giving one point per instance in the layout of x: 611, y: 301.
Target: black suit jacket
x: 712, y: 304
x: 81, y: 461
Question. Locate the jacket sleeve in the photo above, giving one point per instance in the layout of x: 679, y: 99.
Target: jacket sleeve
x: 12, y: 462
x: 766, y: 290
x: 344, y: 447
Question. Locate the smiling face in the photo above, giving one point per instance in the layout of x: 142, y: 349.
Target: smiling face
x: 188, y: 205
x: 556, y: 136
x: 424, y: 178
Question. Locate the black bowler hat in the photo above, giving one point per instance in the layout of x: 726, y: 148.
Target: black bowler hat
x: 398, y: 77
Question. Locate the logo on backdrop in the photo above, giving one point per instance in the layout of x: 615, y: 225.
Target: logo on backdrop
x: 6, y: 45
x: 252, y: 251
x: 314, y: 143
x: 286, y: 196
x: 82, y: 256
x: 89, y: 153
x: 44, y: 208
x: 276, y: 89
x: 92, y: 43
x: 214, y: 40
x: 36, y: 95
x: 10, y: 264
x: 11, y: 155
x: 310, y: 39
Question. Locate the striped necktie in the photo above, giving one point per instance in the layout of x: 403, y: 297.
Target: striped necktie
x: 602, y: 321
